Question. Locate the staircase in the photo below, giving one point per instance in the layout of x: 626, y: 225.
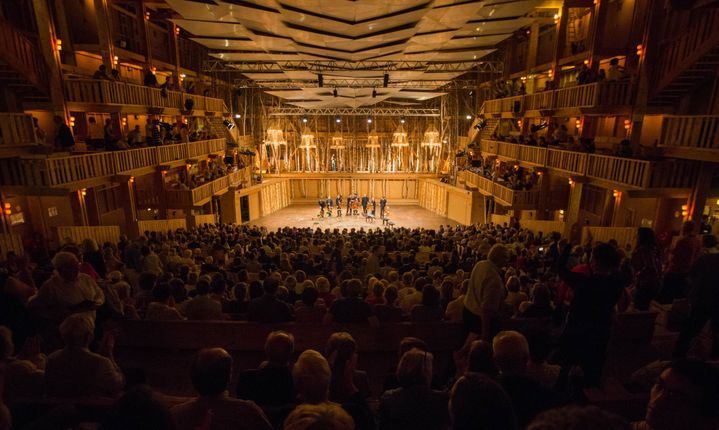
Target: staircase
x: 22, y: 67
x: 687, y: 61
x: 218, y: 127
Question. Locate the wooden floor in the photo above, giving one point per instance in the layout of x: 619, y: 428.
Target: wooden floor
x: 304, y: 215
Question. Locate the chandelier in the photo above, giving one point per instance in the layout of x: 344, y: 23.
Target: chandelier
x: 337, y: 142
x: 372, y: 141
x: 399, y: 138
x: 307, y: 141
x: 275, y: 137
x: 431, y: 138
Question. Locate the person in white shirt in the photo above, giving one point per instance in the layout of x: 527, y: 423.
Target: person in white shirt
x: 485, y: 294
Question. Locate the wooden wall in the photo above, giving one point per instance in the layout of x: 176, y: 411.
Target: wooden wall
x: 101, y: 234
x: 10, y: 242
x: 161, y: 225
x: 458, y: 204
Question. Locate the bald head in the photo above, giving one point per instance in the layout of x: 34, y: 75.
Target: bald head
x: 210, y: 371
x: 499, y: 255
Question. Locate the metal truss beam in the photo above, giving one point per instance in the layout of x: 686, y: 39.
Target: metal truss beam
x: 335, y: 66
x: 383, y: 111
x: 286, y: 84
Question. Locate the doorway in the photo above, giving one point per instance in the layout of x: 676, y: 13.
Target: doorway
x: 245, y: 209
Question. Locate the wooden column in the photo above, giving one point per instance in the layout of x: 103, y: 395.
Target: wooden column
x: 104, y: 33
x: 47, y: 37
x: 544, y: 194
x: 700, y: 193
x: 533, y: 45
x: 176, y: 56
x: 230, y: 207
x: 159, y: 187
x: 573, y: 225
x: 129, y: 206
x: 64, y: 33
x: 146, y: 33
x: 561, y: 39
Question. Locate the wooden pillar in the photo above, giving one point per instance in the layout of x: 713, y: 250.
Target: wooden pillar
x: 63, y: 33
x: 91, y: 207
x: 230, y: 207
x: 47, y: 38
x: 146, y: 31
x: 573, y: 225
x: 561, y: 39
x: 159, y: 187
x: 544, y: 194
x: 533, y: 45
x: 176, y: 56
x: 127, y: 195
x: 104, y: 33
x: 700, y: 193
x: 79, y: 208
x: 596, y: 33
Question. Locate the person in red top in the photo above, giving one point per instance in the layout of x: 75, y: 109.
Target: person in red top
x: 681, y: 258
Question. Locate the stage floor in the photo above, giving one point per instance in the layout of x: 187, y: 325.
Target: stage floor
x: 305, y: 215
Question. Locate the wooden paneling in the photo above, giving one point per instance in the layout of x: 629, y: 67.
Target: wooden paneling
x: 16, y: 129
x: 10, y: 242
x: 446, y: 200
x: 623, y: 235
x: 697, y: 132
x: 101, y: 234
x: 162, y: 225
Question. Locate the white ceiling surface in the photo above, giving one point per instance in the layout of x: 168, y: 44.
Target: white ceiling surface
x: 426, y: 31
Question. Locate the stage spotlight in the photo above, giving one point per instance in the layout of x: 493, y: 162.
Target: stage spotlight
x: 238, y: 116
x: 320, y: 80
x: 334, y: 92
x: 304, y: 119
x: 469, y: 117
x: 385, y: 82
x: 229, y: 124
x: 369, y: 120
x: 374, y: 93
x: 401, y: 120
x: 338, y: 120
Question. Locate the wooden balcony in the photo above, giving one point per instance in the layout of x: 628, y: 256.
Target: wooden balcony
x: 581, y: 98
x: 22, y: 55
x: 16, y: 130
x: 618, y: 172
x: 504, y: 195
x: 695, y: 137
x: 78, y: 171
x: 198, y: 196
x: 122, y: 94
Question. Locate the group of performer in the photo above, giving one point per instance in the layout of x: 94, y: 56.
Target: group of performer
x: 353, y: 203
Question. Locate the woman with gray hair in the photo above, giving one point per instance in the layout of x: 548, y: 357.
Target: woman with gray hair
x: 91, y: 255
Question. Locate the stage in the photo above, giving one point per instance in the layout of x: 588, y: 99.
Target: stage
x: 305, y: 215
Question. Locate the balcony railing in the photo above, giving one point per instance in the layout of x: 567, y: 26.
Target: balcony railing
x: 697, y: 132
x: 517, y: 199
x: 625, y: 172
x: 22, y: 54
x: 57, y: 171
x: 16, y: 129
x: 200, y: 195
x: 100, y: 91
x: 598, y: 94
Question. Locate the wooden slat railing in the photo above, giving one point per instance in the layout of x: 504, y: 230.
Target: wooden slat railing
x: 614, y: 93
x: 682, y: 52
x: 161, y: 225
x: 698, y: 132
x: 101, y: 234
x: 509, y: 150
x: 16, y: 129
x: 623, y: 235
x: 22, y: 54
x: 567, y: 161
x: 539, y: 101
x: 197, y: 195
x: 62, y: 170
x: 493, y: 106
x: 10, y: 242
x: 123, y: 93
x: 629, y: 171
x: 506, y: 195
x: 577, y: 96
x: 513, y: 104
x: 533, y: 155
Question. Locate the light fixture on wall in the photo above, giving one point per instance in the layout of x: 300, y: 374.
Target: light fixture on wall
x: 556, y: 18
x: 469, y: 117
x: 83, y: 192
x: 238, y: 116
x: 58, y: 45
x: 627, y: 124
x: 685, y: 210
x: 7, y: 209
x: 115, y: 60
x: 147, y: 15
x: 338, y: 120
x: 571, y: 181
x: 640, y: 50
x: 72, y: 121
x: 616, y: 193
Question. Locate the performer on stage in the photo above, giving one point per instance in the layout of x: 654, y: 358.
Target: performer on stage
x: 382, y: 204
x: 365, y: 200
x: 374, y: 206
x: 349, y: 203
x: 322, y: 208
x: 385, y: 214
x: 329, y: 205
x: 338, y: 203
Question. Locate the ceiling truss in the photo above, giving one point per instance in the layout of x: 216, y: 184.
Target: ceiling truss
x: 337, y: 66
x: 286, y: 84
x: 377, y: 111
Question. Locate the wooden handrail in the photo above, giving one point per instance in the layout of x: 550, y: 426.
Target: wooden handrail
x: 101, y: 91
x: 696, y: 131
x: 193, y: 197
x: 22, y: 54
x: 567, y: 161
x: 16, y: 129
x: 629, y: 171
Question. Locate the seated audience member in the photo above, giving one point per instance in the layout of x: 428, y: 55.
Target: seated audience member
x: 140, y: 408
x: 429, y: 310
x: 541, y: 304
x: 271, y: 383
x: 312, y: 375
x: 406, y: 344
x: 477, y: 402
x: 686, y: 396
x: 324, y: 416
x: 68, y: 291
x: 388, y: 311
x: 538, y: 369
x: 146, y: 282
x: 412, y: 295
x: 351, y: 309
x: 240, y: 305
x: 414, y: 405
x: 213, y: 409
x: 309, y: 309
x: 268, y: 308
x: 24, y: 373
x: 159, y: 308
x: 481, y: 359
x: 76, y: 371
x: 202, y: 307
x: 455, y: 308
x: 578, y: 417
x: 511, y: 354
x: 341, y: 353
x: 514, y: 296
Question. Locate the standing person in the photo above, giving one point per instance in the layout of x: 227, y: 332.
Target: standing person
x: 485, y: 295
x: 64, y: 140
x: 338, y: 203
x: 110, y: 135
x: 40, y: 134
x: 681, y: 258
x: 101, y: 73
x: 586, y: 334
x: 322, y: 207
x: 646, y: 262
x: 365, y: 201
x: 134, y: 137
x: 374, y: 206
x: 382, y: 204
x: 328, y: 202
x: 615, y: 71
x: 148, y: 77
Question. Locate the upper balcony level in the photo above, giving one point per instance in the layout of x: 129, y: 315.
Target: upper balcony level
x: 506, y: 196
x: 116, y: 96
x: 597, y: 98
x: 202, y: 194
x: 694, y: 137
x: 606, y: 170
x: 71, y: 172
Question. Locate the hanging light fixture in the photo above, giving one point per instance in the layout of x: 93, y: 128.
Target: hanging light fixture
x: 431, y: 138
x: 399, y: 138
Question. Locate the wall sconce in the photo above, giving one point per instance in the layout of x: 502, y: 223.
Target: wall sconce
x: 147, y: 15
x: 586, y: 62
x: 519, y: 123
x: 616, y: 193
x: 571, y: 181
x: 154, y: 70
x: 556, y: 18
x: 640, y: 50
x: 188, y: 166
x: 578, y: 123
x: 528, y: 32
x: 115, y: 60
x: 685, y: 210
x: 72, y: 121
x: 182, y: 77
x: 164, y: 172
x: 7, y: 209
x: 58, y: 45
x: 83, y: 192
x: 177, y: 31
x: 550, y: 74
x: 627, y: 124
x: 540, y: 173
x: 497, y: 161
x: 124, y: 122
x: 523, y: 78
x: 132, y: 179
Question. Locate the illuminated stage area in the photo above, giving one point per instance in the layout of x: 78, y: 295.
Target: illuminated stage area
x: 306, y: 215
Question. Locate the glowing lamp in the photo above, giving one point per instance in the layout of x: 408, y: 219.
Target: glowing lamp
x: 83, y: 192
x: 556, y: 18
x: 571, y: 181
x: 640, y: 50
x: 616, y: 193
x: 58, y: 45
